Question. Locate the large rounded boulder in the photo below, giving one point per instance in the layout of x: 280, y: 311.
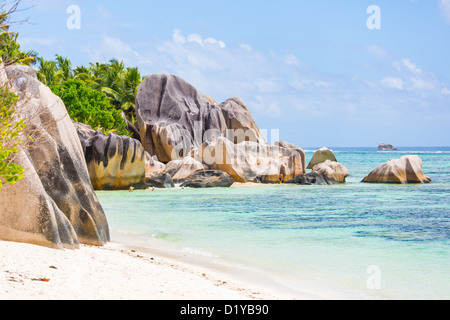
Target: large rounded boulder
x: 407, y: 169
x: 332, y: 170
x: 250, y: 161
x: 173, y: 117
x: 114, y: 162
x: 321, y: 156
x: 55, y: 204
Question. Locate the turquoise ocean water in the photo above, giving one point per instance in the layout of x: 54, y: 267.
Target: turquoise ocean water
x: 351, y: 241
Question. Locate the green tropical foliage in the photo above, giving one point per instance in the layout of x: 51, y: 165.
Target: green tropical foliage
x: 90, y: 106
x: 10, y: 52
x: 10, y: 126
x: 101, y: 95
x: 117, y: 82
x: 47, y: 71
x: 9, y: 138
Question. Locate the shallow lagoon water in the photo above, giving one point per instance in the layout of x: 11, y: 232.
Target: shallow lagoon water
x: 355, y: 240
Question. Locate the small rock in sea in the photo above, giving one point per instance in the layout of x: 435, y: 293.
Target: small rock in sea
x: 208, y: 179
x: 386, y: 147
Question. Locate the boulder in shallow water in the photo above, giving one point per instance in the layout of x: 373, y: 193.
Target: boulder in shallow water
x: 152, y: 165
x: 181, y: 169
x: 159, y: 180
x: 407, y: 169
x: 313, y: 178
x: 332, y: 170
x: 293, y: 148
x: 251, y: 161
x: 114, y: 162
x: 208, y: 179
x: 320, y: 156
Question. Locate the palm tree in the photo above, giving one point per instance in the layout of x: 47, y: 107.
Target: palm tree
x: 132, y: 80
x: 81, y: 73
x: 9, y: 47
x: 112, y: 75
x: 64, y: 68
x: 47, y: 71
x: 120, y: 84
x: 54, y: 72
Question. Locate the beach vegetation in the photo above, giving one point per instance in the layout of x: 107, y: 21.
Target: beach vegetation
x: 90, y: 106
x: 101, y: 95
x: 10, y: 125
x: 10, y: 128
x: 116, y: 81
x: 10, y: 51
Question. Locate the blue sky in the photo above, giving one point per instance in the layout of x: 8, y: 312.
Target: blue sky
x: 312, y: 69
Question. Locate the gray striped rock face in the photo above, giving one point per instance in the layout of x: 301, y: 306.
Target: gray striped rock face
x: 55, y: 204
x: 114, y: 162
x: 173, y: 117
x: 176, y: 121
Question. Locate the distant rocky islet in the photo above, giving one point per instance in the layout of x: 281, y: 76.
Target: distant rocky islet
x: 386, y: 147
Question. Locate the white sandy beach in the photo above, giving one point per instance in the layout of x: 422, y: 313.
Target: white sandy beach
x: 114, y: 272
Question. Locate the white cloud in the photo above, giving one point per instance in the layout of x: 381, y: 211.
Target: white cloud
x: 273, y: 84
x: 322, y: 84
x: 178, y: 37
x: 368, y: 83
x: 103, y: 13
x: 246, y: 47
x: 32, y: 42
x: 411, y: 66
x: 391, y: 82
x: 225, y: 71
x: 445, y: 91
x: 377, y: 51
x: 415, y: 79
x: 196, y: 38
x: 111, y: 47
x: 422, y: 84
x: 266, y: 106
x: 214, y: 41
x: 406, y: 64
x: 301, y: 83
x: 268, y: 85
x: 291, y: 59
x: 46, y: 5
x: 444, y: 5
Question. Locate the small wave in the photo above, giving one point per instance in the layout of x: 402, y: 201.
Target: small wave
x: 415, y: 151
x: 198, y: 252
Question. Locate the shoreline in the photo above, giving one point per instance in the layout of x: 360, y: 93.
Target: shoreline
x: 121, y: 271
x: 239, y: 277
